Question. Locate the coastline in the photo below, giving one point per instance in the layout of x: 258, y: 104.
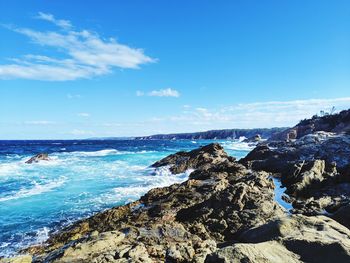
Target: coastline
x: 227, y: 210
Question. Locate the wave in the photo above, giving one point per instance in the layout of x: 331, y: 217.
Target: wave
x: 96, y: 153
x: 9, y: 168
x: 239, y: 145
x: 105, y: 152
x: 36, y: 190
x: 161, y: 177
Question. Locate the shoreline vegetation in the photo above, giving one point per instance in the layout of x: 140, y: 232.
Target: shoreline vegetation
x: 227, y: 210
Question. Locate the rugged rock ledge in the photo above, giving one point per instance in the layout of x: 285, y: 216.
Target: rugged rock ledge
x: 315, y: 169
x: 224, y: 212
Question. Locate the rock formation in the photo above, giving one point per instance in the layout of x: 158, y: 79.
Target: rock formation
x: 224, y: 212
x: 39, y: 157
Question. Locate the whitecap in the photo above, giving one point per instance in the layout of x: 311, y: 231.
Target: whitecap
x: 42, y: 235
x: 239, y: 146
x: 36, y: 190
x: 162, y: 177
x: 9, y: 168
x: 97, y: 153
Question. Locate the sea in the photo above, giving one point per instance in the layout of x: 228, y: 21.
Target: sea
x: 82, y: 178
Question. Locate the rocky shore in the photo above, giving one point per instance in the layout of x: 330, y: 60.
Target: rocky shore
x: 227, y: 211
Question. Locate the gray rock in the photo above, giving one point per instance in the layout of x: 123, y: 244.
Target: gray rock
x: 37, y: 158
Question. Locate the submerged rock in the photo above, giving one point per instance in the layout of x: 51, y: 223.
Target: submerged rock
x: 39, y: 157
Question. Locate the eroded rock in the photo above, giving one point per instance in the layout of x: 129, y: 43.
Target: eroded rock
x: 37, y: 158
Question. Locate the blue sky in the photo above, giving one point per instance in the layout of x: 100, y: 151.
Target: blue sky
x: 77, y: 69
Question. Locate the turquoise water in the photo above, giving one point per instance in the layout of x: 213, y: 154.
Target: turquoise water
x: 82, y: 178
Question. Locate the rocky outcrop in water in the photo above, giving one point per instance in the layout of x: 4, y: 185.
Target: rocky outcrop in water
x: 224, y: 212
x: 37, y: 158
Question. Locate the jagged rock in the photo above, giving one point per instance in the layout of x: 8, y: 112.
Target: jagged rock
x: 210, y: 154
x: 225, y: 212
x: 39, y: 157
x: 314, y: 169
x: 271, y: 251
x: 313, y: 239
x: 295, y: 238
x: 180, y: 223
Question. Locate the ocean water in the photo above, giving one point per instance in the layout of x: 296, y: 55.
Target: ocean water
x: 82, y: 178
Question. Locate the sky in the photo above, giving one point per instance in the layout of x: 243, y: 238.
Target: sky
x: 88, y: 68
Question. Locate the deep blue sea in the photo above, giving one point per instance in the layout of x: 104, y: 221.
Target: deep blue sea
x: 83, y: 177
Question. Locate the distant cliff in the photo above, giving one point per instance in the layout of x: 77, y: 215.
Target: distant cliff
x: 265, y: 133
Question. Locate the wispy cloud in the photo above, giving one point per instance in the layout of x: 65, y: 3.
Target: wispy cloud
x: 84, y: 114
x: 160, y: 93
x: 86, y: 54
x: 65, y: 24
x: 39, y: 122
x: 250, y: 115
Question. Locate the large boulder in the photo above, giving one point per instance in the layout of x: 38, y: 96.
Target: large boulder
x: 294, y: 238
x: 269, y: 252
x: 314, y: 238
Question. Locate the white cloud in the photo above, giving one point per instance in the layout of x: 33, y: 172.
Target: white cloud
x: 160, y: 93
x: 86, y: 55
x: 65, y: 24
x: 165, y: 93
x: 39, y: 122
x: 84, y: 114
x: 250, y: 115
